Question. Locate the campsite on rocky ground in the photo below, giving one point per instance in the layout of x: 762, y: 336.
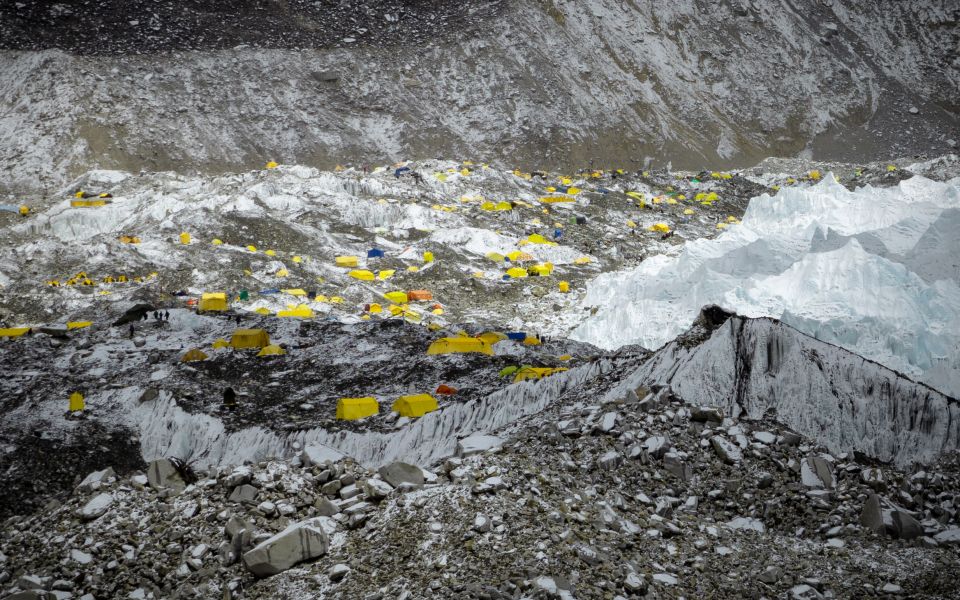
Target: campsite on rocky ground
x: 483, y: 300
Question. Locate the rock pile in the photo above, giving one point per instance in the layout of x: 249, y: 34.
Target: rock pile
x: 645, y: 497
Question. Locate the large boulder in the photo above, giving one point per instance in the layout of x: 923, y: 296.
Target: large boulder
x: 398, y: 473
x: 162, y: 474
x: 96, y: 507
x: 815, y: 472
x: 905, y: 527
x: 301, y: 541
x: 872, y: 516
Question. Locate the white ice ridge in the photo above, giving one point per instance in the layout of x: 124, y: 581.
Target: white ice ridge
x: 869, y: 270
x: 167, y: 430
x: 749, y: 367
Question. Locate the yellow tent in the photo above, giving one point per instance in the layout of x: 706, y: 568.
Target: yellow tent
x: 583, y: 260
x: 428, y: 256
x: 536, y: 238
x: 542, y: 270
x: 185, y: 238
x: 263, y: 311
x: 252, y: 248
x: 78, y: 324
x: 415, y: 406
x: 13, y: 332
x: 217, y: 242
x: 294, y: 292
x: 129, y: 239
x: 376, y: 309
x: 346, y: 261
x: 194, y: 355
x: 688, y: 211
x: 213, y: 301
x: 362, y: 275
x: 517, y: 272
x: 556, y: 199
x: 220, y: 343
x: 459, y: 345
x: 282, y: 273
x: 302, y: 311
x: 527, y: 373
x: 249, y: 338
x: 659, y: 227
x: 76, y: 402
x: 386, y: 274
x: 272, y: 350
x: 272, y: 165
x: 87, y: 203
x: 271, y: 253
x: 531, y: 341
x: 492, y: 337
x: 519, y: 255
x: 564, y: 287
x: 573, y: 191
x: 397, y: 297
x: 349, y: 409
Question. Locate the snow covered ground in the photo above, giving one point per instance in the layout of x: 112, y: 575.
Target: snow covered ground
x: 874, y: 270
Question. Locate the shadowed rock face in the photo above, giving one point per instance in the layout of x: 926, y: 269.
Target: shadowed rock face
x: 121, y: 27
x: 532, y: 83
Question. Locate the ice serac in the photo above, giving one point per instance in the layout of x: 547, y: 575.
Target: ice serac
x: 848, y: 403
x: 168, y: 430
x: 869, y: 270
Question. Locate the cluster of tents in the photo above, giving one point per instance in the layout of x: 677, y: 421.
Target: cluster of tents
x: 411, y: 406
x: 83, y: 279
x: 242, y: 339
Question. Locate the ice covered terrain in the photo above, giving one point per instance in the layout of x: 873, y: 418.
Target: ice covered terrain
x: 869, y: 270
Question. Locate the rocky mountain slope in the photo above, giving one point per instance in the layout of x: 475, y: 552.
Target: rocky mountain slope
x: 532, y: 83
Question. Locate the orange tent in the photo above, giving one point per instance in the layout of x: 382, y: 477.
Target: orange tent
x: 446, y: 390
x: 415, y: 295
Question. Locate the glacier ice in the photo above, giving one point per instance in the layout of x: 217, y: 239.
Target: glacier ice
x: 869, y: 270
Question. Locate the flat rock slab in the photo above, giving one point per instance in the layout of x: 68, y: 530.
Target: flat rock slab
x: 301, y: 541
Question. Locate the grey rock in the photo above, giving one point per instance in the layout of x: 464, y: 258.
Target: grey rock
x: 891, y: 588
x: 610, y: 461
x: 706, y: 413
x: 481, y: 523
x: 235, y: 525
x: 376, y: 489
x: 770, y: 575
x: 162, y: 474
x: 96, y: 507
x: 815, y: 472
x: 673, y: 464
x: 149, y: 395
x: 331, y: 487
x: 399, y: 473
x: 726, y: 450
x: 301, y: 541
x: 338, y: 572
x: 96, y: 479
x: 949, y: 537
x: 657, y: 445
x: 905, y: 527
x: 325, y: 508
x: 245, y: 494
x: 871, y: 517
x: 874, y: 478
x: 31, y: 595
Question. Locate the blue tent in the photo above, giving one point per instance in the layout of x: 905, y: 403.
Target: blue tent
x: 557, y: 233
x: 270, y: 291
x: 517, y: 336
x: 375, y: 253
x: 400, y: 172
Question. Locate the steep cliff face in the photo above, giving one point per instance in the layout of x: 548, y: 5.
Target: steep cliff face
x: 752, y: 366
x: 696, y: 82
